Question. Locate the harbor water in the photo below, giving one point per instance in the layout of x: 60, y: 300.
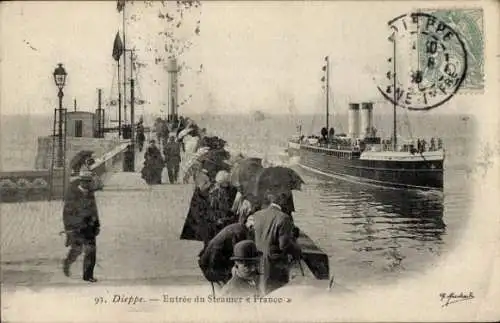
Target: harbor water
x: 372, y: 235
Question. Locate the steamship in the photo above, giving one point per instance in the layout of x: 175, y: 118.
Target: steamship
x: 363, y: 157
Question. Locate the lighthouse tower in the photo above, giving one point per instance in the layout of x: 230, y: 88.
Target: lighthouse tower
x: 172, y: 69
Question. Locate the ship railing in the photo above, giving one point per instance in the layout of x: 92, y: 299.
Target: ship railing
x: 409, y: 148
x: 333, y: 146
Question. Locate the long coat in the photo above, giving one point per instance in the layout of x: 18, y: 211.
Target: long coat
x: 220, y: 213
x: 172, y: 152
x: 153, y: 165
x: 215, y: 259
x: 273, y: 230
x: 196, y: 225
x: 80, y: 215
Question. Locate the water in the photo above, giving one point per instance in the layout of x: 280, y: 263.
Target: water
x: 371, y: 234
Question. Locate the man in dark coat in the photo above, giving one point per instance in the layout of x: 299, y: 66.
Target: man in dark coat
x: 172, y: 153
x: 140, y: 137
x: 81, y: 224
x: 215, y: 259
x: 274, y: 236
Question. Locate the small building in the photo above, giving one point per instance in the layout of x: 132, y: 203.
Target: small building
x: 80, y: 124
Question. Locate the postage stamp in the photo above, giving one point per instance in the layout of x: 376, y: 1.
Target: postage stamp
x: 427, y: 63
x: 469, y: 25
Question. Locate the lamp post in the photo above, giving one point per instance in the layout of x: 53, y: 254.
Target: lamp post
x: 60, y: 79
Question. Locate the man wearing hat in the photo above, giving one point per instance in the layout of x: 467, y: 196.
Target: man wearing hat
x: 81, y: 225
x: 243, y: 283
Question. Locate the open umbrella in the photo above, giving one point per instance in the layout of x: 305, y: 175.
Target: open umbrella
x: 244, y: 174
x: 77, y: 162
x: 276, y: 179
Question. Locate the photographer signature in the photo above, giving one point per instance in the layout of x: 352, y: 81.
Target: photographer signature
x: 451, y: 298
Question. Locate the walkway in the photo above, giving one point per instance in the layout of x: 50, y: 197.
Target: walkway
x: 138, y: 246
x: 139, y: 241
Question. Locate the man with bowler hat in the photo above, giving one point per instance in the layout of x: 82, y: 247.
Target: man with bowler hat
x: 246, y: 259
x: 81, y: 225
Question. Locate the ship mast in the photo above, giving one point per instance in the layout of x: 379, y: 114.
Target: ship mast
x: 124, y: 63
x: 327, y: 91
x: 394, y: 134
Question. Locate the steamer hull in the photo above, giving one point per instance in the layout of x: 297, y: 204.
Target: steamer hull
x: 401, y: 170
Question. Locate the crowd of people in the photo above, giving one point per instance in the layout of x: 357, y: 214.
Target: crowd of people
x: 249, y: 242
x: 170, y: 135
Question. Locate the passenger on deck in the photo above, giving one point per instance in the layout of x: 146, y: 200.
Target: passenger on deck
x: 433, y: 144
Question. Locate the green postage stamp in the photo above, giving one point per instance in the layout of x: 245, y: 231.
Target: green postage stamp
x: 468, y: 24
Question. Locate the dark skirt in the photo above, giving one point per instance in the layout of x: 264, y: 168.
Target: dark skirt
x: 151, y: 172
x: 196, y: 226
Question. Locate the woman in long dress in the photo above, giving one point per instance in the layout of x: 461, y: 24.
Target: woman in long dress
x: 153, y: 165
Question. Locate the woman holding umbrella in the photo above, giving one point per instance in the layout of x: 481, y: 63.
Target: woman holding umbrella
x: 244, y: 176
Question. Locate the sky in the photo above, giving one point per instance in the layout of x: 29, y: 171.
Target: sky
x: 255, y: 55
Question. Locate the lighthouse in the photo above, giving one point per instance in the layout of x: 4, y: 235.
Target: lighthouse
x: 172, y: 89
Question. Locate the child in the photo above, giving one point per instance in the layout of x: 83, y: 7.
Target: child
x: 246, y: 259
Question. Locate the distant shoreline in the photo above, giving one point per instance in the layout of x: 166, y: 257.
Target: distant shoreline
x: 265, y: 113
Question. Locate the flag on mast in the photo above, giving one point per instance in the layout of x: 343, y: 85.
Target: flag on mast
x: 117, y: 47
x: 119, y: 5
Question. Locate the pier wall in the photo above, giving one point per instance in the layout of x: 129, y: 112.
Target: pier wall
x: 73, y: 145
x: 34, y: 185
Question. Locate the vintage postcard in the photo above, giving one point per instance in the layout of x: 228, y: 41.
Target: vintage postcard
x: 249, y: 161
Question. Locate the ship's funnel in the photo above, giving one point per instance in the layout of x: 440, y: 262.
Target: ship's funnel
x: 354, y: 120
x: 366, y: 126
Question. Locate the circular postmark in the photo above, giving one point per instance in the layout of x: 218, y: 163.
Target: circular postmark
x: 427, y: 65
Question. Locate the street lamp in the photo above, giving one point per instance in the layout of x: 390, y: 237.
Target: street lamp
x: 60, y: 79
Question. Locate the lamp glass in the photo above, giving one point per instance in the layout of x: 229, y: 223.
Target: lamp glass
x: 60, y: 76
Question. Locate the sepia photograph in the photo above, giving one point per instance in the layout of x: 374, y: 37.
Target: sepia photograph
x: 249, y: 161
